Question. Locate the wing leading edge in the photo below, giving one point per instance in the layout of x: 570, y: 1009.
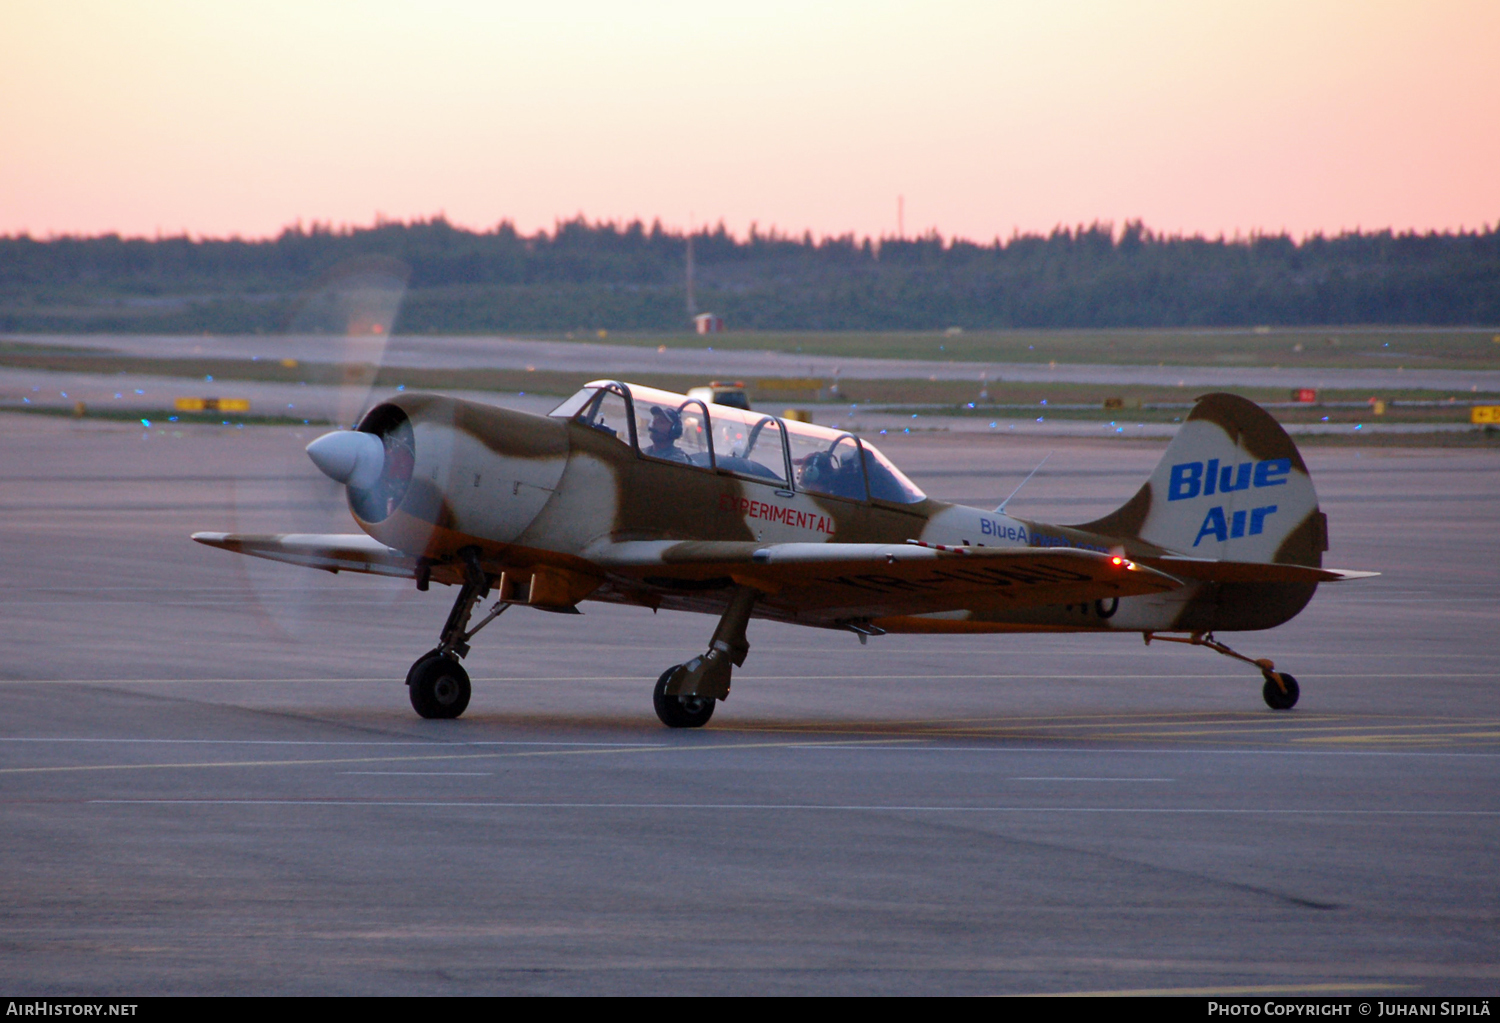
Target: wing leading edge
x: 332, y: 552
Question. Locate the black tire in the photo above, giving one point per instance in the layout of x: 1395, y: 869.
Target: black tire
x: 1275, y: 698
x: 680, y: 711
x: 429, y: 655
x: 438, y: 686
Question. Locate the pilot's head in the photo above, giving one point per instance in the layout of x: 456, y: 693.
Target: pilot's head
x: 666, y: 425
x: 819, y: 467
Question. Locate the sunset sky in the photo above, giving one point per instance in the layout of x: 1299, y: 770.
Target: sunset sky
x: 239, y: 118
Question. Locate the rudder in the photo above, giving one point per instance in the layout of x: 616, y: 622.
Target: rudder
x: 1231, y: 487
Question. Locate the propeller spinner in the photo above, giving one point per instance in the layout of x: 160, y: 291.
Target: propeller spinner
x: 350, y: 457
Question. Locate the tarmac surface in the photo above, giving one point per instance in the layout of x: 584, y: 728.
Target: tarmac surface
x: 327, y: 406
x: 625, y: 360
x: 212, y: 782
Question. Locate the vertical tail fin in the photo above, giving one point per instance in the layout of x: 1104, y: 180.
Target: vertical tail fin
x: 1232, y: 486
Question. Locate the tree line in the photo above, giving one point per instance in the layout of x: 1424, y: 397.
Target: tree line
x: 632, y: 276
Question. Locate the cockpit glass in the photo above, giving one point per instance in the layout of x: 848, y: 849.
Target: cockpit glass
x: 671, y: 427
x: 749, y: 444
x: 569, y: 408
x: 825, y: 461
x: 888, y: 483
x: 606, y: 412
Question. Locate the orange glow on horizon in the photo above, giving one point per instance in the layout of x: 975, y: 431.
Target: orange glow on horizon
x: 240, y: 119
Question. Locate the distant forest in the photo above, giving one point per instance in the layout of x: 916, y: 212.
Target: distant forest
x: 585, y: 276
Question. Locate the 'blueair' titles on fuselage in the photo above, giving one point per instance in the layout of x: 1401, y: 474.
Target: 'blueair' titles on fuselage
x: 1007, y: 530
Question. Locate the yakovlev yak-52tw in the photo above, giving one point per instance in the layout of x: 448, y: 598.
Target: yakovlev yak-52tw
x: 638, y: 496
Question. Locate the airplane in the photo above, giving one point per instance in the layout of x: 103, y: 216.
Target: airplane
x: 634, y: 495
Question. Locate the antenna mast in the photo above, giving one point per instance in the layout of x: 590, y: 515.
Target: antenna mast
x: 1027, y: 480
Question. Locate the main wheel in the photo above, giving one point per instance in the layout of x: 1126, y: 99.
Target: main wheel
x: 1275, y: 698
x: 429, y: 655
x: 439, y: 687
x: 680, y: 711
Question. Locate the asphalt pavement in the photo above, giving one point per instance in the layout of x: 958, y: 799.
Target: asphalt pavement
x: 624, y: 360
x: 212, y: 781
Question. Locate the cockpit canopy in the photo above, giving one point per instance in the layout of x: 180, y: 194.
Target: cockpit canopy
x: 782, y: 453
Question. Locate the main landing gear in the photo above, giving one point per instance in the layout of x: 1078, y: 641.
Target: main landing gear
x: 1280, y: 690
x: 437, y: 683
x: 686, y: 693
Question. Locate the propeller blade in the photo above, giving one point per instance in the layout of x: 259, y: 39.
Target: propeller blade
x: 347, y: 318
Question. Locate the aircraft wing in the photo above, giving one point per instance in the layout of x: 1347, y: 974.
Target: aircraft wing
x: 333, y: 552
x: 865, y: 580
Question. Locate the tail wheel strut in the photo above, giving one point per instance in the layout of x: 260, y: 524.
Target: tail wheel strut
x: 1280, y: 690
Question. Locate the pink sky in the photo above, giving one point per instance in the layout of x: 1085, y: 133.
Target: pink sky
x: 988, y: 117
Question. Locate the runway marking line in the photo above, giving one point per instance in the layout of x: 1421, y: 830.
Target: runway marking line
x: 817, y: 807
x: 1297, y: 733
x: 914, y: 744
x: 1129, y: 717
x: 907, y: 676
x: 1042, y: 732
x: 1165, y: 732
x: 1268, y: 719
x: 1263, y: 720
x: 1296, y: 725
x: 1093, y: 779
x: 1250, y: 740
x: 1276, y: 752
x: 342, y: 742
x: 423, y: 774
x: 74, y: 768
x: 1404, y: 738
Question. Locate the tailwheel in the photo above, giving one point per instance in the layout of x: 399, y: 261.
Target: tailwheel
x: 680, y: 711
x: 439, y: 686
x: 1280, y: 691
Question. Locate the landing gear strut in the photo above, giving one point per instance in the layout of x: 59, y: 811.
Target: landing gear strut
x: 686, y: 693
x: 437, y: 683
x: 1280, y: 690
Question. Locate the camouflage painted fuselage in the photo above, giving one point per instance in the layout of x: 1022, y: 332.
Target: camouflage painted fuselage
x: 547, y: 501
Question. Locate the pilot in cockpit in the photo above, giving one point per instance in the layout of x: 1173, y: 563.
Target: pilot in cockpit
x: 826, y: 473
x: 665, y: 429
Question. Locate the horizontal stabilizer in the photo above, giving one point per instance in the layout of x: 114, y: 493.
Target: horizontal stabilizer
x: 1209, y: 570
x: 332, y: 552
